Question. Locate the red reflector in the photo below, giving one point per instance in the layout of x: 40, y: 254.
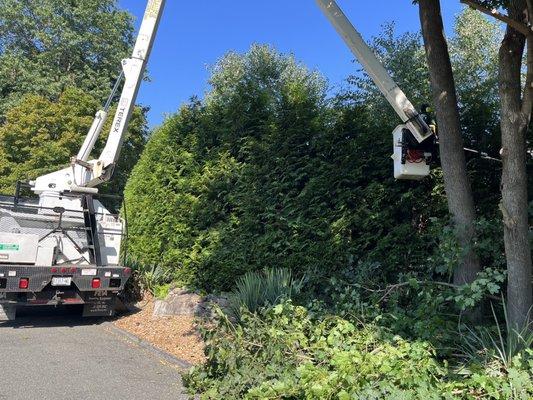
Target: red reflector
x: 127, y: 271
x: 96, y: 283
x: 54, y: 270
x: 24, y: 283
x: 73, y: 301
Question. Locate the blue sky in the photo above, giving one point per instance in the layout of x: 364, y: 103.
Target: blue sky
x: 194, y: 34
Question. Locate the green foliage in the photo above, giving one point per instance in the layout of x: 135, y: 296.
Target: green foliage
x: 489, y: 247
x: 284, y: 353
x: 488, y: 282
x: 266, y: 173
x: 474, y: 53
x: 162, y: 291
x: 40, y: 135
x: 47, y: 46
x: 161, y: 199
x: 509, y: 347
x: 255, y: 290
x: 151, y: 278
x: 449, y: 252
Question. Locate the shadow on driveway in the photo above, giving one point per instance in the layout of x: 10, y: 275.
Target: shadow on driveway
x: 50, y: 317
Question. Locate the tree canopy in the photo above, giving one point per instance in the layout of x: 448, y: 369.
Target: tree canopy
x: 47, y: 46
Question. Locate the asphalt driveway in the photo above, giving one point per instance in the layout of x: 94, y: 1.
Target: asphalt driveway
x: 51, y: 354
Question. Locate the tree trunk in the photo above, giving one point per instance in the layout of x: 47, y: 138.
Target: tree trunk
x: 457, y: 185
x: 515, y: 119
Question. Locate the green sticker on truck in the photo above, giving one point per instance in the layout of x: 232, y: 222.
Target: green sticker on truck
x: 9, y: 247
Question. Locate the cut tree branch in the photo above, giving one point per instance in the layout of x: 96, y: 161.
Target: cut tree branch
x: 518, y: 26
x: 391, y: 288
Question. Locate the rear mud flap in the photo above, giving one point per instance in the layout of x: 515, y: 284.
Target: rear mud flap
x: 8, y: 312
x: 100, y: 304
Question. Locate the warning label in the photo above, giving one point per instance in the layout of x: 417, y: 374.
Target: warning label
x: 9, y: 247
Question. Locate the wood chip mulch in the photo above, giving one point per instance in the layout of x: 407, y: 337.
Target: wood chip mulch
x: 177, y: 335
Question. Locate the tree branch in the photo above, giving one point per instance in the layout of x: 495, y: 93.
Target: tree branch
x: 518, y: 26
x: 391, y: 288
x: 394, y: 287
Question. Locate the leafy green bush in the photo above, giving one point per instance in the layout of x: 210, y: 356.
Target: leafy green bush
x: 267, y: 288
x: 150, y: 278
x: 162, y: 291
x: 269, y: 170
x: 285, y: 353
x: 266, y: 172
x: 49, y: 45
x: 488, y: 282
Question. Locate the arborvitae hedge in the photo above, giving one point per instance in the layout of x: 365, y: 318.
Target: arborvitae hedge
x: 266, y: 172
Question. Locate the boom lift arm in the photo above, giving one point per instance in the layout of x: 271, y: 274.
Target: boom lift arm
x: 410, y: 158
x: 84, y: 175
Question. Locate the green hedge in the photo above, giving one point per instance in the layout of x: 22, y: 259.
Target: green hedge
x: 266, y: 172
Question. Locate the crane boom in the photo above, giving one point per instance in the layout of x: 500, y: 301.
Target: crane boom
x: 85, y: 175
x: 134, y: 68
x: 373, y: 67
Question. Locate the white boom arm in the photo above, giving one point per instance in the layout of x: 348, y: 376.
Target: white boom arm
x: 92, y: 136
x: 134, y: 69
x: 364, y: 54
x: 85, y: 175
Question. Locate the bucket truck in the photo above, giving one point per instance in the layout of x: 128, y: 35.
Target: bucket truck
x: 414, y: 138
x: 64, y: 246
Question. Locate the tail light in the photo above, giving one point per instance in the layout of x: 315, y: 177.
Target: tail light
x: 127, y: 271
x: 24, y: 283
x: 95, y: 283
